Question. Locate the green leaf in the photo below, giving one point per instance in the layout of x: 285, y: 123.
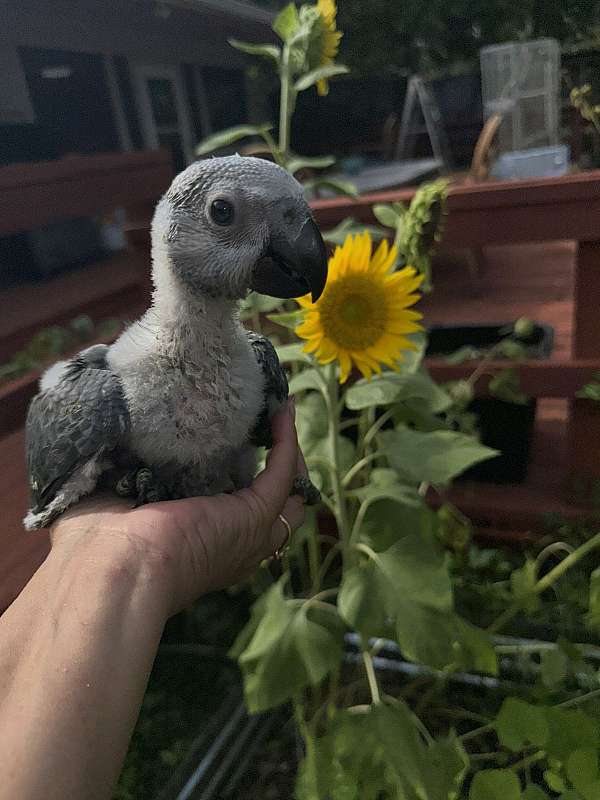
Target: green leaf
x: 288, y: 353
x: 305, y: 162
x: 269, y: 51
x: 554, y: 781
x: 294, y: 640
x: 554, y: 667
x: 362, y: 600
x: 505, y: 385
x: 346, y: 188
x: 286, y: 22
x: 348, y: 227
x: 396, y: 387
x: 520, y: 724
x: 436, y: 457
x: 443, y: 640
x: 569, y: 730
x: 386, y: 215
x: 522, y: 584
x: 533, y: 792
x: 307, y: 379
x: 255, y: 303
x: 402, y: 744
x: 593, y: 615
x: 447, y: 764
x: 229, y: 136
x: 370, y: 592
x: 391, y: 511
x: 288, y: 319
x: 495, y: 784
x: 319, y: 74
x: 582, y: 771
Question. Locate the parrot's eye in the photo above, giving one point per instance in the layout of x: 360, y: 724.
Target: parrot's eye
x: 222, y: 212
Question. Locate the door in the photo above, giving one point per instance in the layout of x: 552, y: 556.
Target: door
x: 164, y: 114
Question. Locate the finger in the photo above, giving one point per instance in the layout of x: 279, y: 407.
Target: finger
x: 274, y: 483
x: 301, y: 468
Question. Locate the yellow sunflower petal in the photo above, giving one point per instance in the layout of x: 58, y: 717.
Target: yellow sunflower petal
x: 363, y: 317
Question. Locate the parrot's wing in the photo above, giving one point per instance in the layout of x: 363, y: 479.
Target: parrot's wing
x: 276, y: 387
x: 70, y: 426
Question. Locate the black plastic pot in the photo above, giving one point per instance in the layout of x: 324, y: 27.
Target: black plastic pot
x: 507, y: 427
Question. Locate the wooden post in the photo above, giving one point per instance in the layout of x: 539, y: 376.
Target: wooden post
x: 584, y: 421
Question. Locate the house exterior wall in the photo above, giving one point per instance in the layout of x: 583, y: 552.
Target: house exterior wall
x: 131, y: 36
x: 141, y: 30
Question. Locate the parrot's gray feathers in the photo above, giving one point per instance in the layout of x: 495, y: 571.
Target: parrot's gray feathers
x: 71, y: 428
x: 275, y: 387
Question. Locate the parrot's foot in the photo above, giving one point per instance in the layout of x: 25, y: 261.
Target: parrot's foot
x: 125, y: 486
x: 304, y: 487
x: 148, y: 489
x: 142, y: 485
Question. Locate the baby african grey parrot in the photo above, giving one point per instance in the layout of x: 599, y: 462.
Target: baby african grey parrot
x: 177, y: 406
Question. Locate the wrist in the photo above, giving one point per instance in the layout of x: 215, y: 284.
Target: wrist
x: 111, y: 563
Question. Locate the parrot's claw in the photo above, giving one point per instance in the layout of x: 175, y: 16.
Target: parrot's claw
x: 304, y: 487
x: 147, y: 489
x: 125, y: 486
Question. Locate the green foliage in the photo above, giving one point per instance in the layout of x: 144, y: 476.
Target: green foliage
x: 230, y: 136
x: 299, y: 65
x: 495, y: 784
x: 591, y: 391
x: 440, y: 38
x: 435, y: 457
x: 380, y: 755
x: 297, y: 640
x: 396, y: 387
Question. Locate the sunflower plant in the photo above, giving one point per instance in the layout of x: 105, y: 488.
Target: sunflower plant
x: 304, y: 59
x: 370, y: 580
x: 365, y: 631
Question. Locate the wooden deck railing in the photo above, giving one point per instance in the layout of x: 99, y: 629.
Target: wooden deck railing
x: 34, y: 195
x: 537, y: 210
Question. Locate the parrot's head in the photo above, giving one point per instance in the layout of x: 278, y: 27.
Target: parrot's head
x: 227, y: 225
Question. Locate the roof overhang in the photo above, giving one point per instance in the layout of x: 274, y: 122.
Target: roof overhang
x: 230, y: 8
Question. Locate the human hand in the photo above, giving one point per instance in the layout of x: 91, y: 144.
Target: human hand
x: 196, y: 545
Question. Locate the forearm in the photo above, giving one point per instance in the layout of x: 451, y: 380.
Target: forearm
x: 76, y: 649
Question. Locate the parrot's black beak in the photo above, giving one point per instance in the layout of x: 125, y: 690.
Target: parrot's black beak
x: 292, y: 268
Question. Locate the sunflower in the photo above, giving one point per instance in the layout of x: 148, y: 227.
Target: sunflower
x: 327, y: 41
x: 363, y: 316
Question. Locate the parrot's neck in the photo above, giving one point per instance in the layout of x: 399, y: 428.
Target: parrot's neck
x: 191, y: 326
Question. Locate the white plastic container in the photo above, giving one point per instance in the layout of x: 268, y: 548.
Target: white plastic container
x: 521, y: 81
x: 539, y: 162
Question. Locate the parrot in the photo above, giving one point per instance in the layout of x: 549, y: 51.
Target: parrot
x: 179, y: 404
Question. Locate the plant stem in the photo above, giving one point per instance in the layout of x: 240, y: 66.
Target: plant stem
x: 325, y: 564
x: 547, y: 581
x: 284, y: 105
x: 575, y: 701
x: 376, y: 427
x: 477, y: 732
x: 339, y: 499
x: 356, y: 468
x: 528, y: 760
x: 371, y: 677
